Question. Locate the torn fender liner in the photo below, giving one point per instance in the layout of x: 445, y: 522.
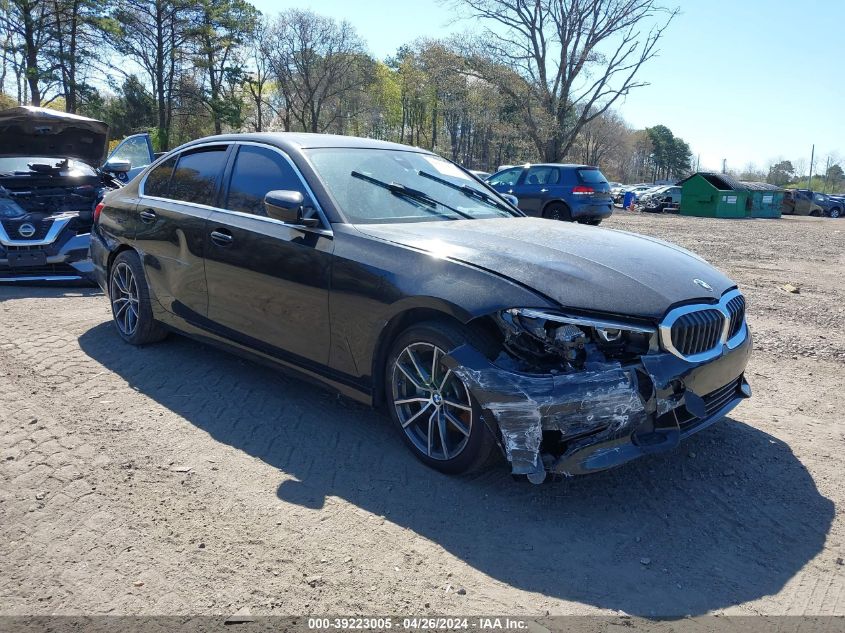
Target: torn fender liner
x: 602, y: 398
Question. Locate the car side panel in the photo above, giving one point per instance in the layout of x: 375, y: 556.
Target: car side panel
x: 373, y: 281
x: 172, y: 250
x: 269, y: 286
x: 117, y: 225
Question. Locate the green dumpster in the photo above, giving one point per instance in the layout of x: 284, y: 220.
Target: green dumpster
x: 712, y: 195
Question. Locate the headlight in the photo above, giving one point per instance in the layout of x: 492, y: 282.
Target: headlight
x: 574, y: 338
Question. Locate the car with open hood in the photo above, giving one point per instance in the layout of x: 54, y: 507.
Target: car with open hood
x: 52, y: 176
x: 397, y: 278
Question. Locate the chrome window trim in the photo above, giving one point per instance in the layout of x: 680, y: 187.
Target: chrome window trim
x: 321, y: 230
x: 56, y: 228
x: 665, y: 328
x: 264, y: 218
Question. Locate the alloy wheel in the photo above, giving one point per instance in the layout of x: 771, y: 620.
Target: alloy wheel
x: 124, y: 298
x: 433, y: 405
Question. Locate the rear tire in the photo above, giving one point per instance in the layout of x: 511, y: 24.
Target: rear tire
x: 557, y: 211
x: 435, y: 412
x: 129, y: 294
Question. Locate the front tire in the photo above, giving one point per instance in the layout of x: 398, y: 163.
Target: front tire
x: 437, y: 415
x: 132, y: 311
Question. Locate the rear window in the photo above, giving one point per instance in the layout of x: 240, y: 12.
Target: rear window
x: 196, y: 174
x: 159, y: 178
x: 592, y: 176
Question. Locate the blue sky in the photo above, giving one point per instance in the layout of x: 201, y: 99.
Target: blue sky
x: 745, y: 80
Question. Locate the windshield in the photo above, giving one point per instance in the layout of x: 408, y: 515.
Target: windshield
x: 381, y: 186
x: 21, y: 165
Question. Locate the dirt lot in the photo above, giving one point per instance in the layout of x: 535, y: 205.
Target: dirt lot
x: 179, y: 479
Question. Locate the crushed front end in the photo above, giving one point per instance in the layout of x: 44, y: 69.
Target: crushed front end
x: 45, y: 225
x: 573, y: 394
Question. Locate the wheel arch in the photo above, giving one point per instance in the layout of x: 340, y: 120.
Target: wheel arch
x: 560, y: 201
x: 402, y: 320
x: 113, y: 255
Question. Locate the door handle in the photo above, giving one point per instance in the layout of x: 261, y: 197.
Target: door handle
x: 221, y: 237
x: 510, y: 190
x: 148, y: 216
x: 544, y: 190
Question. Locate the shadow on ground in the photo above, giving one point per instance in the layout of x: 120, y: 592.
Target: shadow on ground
x: 729, y: 517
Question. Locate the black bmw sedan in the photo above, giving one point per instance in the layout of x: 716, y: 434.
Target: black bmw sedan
x: 401, y: 280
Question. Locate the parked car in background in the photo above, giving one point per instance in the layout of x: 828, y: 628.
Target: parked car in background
x: 660, y: 199
x: 137, y: 150
x: 637, y: 190
x: 837, y: 209
x: 52, y: 176
x: 482, y: 175
x: 578, y: 193
x: 800, y: 202
x: 393, y: 276
x: 831, y: 206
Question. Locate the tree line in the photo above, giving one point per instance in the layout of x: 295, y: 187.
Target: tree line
x: 827, y: 174
x: 539, y: 80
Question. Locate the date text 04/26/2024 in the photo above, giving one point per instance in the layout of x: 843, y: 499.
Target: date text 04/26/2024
x: 418, y: 623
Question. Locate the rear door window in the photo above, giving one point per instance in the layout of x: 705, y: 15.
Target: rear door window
x: 542, y: 176
x: 197, y: 174
x: 258, y: 170
x: 591, y: 176
x: 158, y: 179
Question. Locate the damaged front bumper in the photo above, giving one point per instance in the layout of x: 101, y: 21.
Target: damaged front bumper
x: 604, y: 415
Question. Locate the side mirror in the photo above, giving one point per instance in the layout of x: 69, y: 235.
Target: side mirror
x: 512, y: 199
x: 289, y: 207
x: 117, y: 166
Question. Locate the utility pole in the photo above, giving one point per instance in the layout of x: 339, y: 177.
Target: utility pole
x: 812, y: 158
x: 826, y: 175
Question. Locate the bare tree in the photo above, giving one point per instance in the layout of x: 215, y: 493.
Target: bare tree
x: 577, y: 57
x: 599, y: 138
x: 258, y: 75
x: 316, y: 61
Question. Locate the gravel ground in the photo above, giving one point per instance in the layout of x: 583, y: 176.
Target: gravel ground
x: 178, y: 479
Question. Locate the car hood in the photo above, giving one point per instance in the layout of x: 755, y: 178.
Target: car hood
x: 577, y: 266
x: 30, y: 131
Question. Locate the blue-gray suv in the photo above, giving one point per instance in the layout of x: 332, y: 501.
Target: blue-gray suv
x: 578, y: 193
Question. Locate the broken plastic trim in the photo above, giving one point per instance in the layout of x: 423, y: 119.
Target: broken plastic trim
x: 599, y: 406
x: 601, y: 397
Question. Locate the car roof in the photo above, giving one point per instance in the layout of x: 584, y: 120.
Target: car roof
x: 294, y: 141
x: 567, y: 165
